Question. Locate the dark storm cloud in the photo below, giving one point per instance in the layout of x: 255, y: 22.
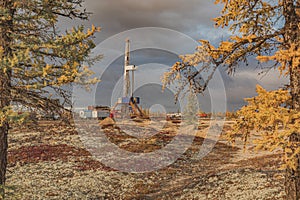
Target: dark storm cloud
x: 243, y: 85
x: 186, y: 16
x: 191, y: 17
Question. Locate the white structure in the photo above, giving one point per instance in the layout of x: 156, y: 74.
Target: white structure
x: 94, y: 114
x: 127, y: 91
x: 82, y: 114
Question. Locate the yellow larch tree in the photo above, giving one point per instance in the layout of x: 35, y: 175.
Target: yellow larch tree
x: 36, y: 59
x: 269, y: 31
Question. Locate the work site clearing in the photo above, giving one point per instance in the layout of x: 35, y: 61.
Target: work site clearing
x: 51, y: 161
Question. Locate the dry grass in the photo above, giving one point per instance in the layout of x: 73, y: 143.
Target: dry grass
x: 51, y: 162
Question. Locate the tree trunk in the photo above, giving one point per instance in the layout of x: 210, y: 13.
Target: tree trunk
x: 5, y: 84
x: 292, y: 179
x: 4, y: 103
x: 3, y: 150
x: 292, y: 35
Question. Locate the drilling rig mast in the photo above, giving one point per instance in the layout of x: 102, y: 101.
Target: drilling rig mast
x: 129, y: 103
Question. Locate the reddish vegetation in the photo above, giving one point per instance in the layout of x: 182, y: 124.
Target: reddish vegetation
x: 84, y: 161
x: 90, y: 164
x: 262, y: 162
x: 44, y: 152
x: 140, y: 145
x: 34, y: 154
x: 186, y: 172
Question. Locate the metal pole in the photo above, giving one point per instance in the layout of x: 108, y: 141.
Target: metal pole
x: 132, y: 83
x: 126, y: 85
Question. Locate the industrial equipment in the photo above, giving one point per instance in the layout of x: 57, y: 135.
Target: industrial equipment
x: 129, y: 104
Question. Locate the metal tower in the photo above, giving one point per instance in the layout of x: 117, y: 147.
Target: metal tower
x: 126, y: 83
x: 129, y: 103
x: 127, y: 91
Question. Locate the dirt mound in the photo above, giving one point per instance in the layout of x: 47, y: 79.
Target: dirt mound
x: 107, y: 122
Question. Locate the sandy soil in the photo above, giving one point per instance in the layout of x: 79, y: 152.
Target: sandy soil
x: 50, y: 161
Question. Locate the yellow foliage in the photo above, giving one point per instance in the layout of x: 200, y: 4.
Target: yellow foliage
x: 263, y: 29
x: 269, y: 115
x: 288, y: 58
x: 8, y: 115
x: 46, y: 70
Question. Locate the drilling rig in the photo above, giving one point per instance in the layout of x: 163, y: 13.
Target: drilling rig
x: 129, y: 103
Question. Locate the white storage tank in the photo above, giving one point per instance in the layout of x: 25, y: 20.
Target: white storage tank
x: 82, y: 114
x: 94, y: 114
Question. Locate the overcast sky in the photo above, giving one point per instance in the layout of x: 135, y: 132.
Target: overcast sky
x: 190, y: 17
